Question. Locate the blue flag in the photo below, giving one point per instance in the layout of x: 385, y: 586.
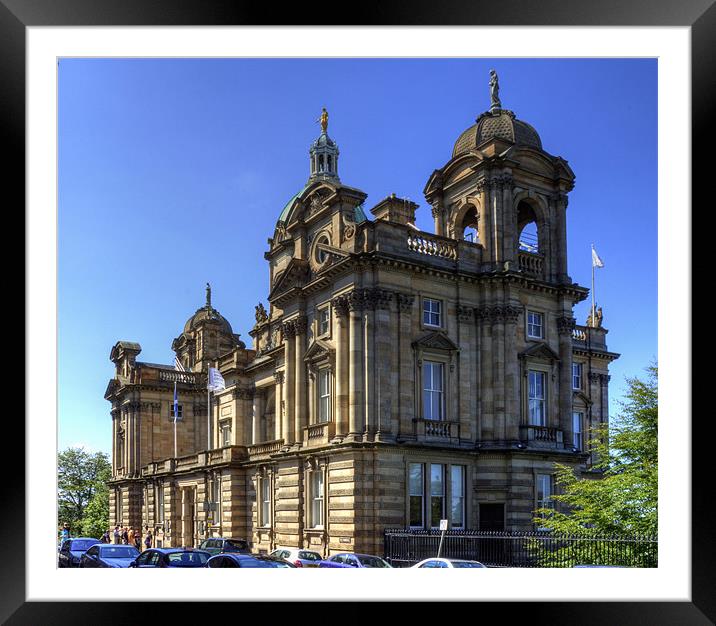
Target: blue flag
x: 176, y: 403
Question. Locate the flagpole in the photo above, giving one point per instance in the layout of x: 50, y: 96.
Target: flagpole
x: 208, y: 411
x: 593, y: 310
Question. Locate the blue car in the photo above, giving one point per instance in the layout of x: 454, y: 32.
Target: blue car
x: 348, y: 559
x: 72, y: 549
x: 109, y: 555
x: 171, y: 557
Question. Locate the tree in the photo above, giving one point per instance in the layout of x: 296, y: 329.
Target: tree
x: 622, y: 499
x: 80, y: 476
x: 96, y: 514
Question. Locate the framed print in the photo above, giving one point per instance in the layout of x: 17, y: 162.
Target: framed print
x: 86, y: 75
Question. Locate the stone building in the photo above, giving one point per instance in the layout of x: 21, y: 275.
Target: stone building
x: 398, y: 378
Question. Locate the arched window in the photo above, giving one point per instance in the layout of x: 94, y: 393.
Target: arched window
x: 468, y: 227
x: 527, y: 227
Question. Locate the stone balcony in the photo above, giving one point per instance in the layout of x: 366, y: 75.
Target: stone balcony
x: 531, y: 263
x: 265, y: 448
x: 319, y: 434
x: 427, y: 430
x: 200, y: 460
x: 542, y: 437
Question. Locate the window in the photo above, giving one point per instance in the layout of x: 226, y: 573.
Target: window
x: 265, y: 502
x: 535, y: 325
x: 180, y: 411
x: 324, y: 395
x: 226, y: 434
x: 457, y: 497
x: 416, y: 494
x: 118, y: 507
x: 324, y: 321
x: 544, y: 491
x: 536, y: 398
x: 437, y: 495
x: 317, y: 499
x: 577, y: 430
x: 436, y: 492
x: 433, y: 390
x: 431, y: 312
x: 576, y: 375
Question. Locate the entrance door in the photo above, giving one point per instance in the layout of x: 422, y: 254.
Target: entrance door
x: 492, y: 516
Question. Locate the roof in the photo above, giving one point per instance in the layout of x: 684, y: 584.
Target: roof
x: 499, y: 124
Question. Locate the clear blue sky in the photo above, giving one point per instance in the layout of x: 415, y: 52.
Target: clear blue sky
x: 173, y: 172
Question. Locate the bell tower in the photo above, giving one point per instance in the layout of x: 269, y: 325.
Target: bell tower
x: 503, y: 192
x: 324, y: 154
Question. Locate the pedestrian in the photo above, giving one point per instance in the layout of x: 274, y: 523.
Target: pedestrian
x: 148, y: 538
x: 105, y: 536
x: 64, y: 532
x: 125, y: 536
x: 116, y: 534
x: 130, y: 537
x: 138, y: 539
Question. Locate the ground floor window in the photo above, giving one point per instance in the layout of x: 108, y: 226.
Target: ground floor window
x: 544, y: 492
x: 265, y: 501
x: 436, y: 491
x: 316, y: 499
x: 577, y: 417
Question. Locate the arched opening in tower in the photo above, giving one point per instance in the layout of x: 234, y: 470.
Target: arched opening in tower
x: 469, y: 226
x: 527, y: 227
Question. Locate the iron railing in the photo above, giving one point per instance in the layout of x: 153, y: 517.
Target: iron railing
x: 404, y: 548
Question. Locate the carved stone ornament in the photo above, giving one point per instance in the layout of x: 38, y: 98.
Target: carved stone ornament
x: 375, y: 298
x: 349, y: 227
x: 565, y: 325
x: 278, y: 378
x: 465, y: 313
x: 261, y: 315
x: 340, y: 306
x: 300, y: 324
x: 355, y: 300
x: 288, y: 329
x: 405, y: 302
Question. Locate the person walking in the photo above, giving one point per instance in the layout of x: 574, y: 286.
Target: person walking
x: 64, y: 532
x: 138, y: 539
x: 130, y: 537
x: 105, y: 536
x: 125, y: 536
x: 116, y: 534
x: 147, y: 538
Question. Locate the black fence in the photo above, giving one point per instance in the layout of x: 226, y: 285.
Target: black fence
x: 404, y: 548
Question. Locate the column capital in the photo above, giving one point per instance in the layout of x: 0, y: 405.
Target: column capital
x: 375, y: 298
x: 300, y: 324
x: 355, y: 300
x: 405, y: 301
x: 288, y: 329
x: 465, y: 313
x: 278, y: 377
x: 340, y: 306
x: 565, y: 325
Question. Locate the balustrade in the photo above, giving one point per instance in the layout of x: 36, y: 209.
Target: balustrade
x: 432, y: 246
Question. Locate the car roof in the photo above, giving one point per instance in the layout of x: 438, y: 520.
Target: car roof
x: 83, y: 539
x: 172, y: 550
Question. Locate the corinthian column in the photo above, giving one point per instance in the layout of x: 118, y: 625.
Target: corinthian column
x: 355, y: 380
x: 289, y: 388
x: 278, y: 405
x: 300, y: 410
x: 258, y: 409
x: 565, y: 326
x: 512, y: 374
x: 340, y: 307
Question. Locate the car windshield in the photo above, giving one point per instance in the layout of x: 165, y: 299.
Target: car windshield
x: 118, y: 552
x: 82, y: 544
x: 372, y: 561
x: 187, y: 559
x: 236, y: 544
x: 309, y: 556
x: 466, y: 564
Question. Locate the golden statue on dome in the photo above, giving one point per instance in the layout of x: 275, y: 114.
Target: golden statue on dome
x: 324, y: 120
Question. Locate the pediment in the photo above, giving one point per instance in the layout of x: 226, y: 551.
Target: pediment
x: 319, y: 349
x: 540, y: 351
x: 436, y: 340
x: 294, y: 276
x: 587, y: 401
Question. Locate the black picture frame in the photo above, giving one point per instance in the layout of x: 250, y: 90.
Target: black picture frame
x: 700, y: 15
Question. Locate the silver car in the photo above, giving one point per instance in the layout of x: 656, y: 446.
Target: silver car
x: 440, y: 562
x: 298, y: 556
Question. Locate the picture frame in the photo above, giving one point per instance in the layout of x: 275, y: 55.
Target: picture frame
x: 18, y: 15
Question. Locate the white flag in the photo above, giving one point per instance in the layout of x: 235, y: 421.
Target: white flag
x: 216, y: 380
x: 596, y: 261
x: 178, y: 365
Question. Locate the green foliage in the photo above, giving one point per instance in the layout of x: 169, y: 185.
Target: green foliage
x: 621, y: 496
x: 83, y: 496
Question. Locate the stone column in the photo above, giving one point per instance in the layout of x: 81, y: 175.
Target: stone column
x: 512, y: 374
x: 356, y: 423
x: 369, y: 363
x: 498, y: 364
x: 258, y: 410
x: 289, y: 387
x: 486, y: 411
x: 406, y: 375
x: 560, y: 208
x: 466, y: 391
x: 497, y: 219
x: 382, y: 361
x: 565, y: 326
x: 340, y: 307
x: 485, y: 224
x: 300, y: 409
x: 278, y: 405
x: 439, y: 218
x: 509, y: 223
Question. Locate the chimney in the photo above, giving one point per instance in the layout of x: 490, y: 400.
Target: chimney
x: 396, y: 210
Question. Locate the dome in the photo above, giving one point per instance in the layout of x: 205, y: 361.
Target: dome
x: 208, y: 313
x: 497, y: 124
x: 324, y: 140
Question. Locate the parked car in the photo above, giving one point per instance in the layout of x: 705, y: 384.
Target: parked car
x: 298, y: 557
x: 235, y: 559
x: 221, y: 545
x: 171, y: 557
x: 109, y: 555
x: 348, y: 559
x: 72, y: 549
x: 441, y: 562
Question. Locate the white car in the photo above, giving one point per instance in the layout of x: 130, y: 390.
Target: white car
x: 298, y: 556
x: 435, y: 562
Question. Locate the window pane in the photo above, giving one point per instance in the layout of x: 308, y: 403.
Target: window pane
x: 457, y: 482
x: 415, y: 479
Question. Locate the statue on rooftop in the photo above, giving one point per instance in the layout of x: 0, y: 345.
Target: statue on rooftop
x: 324, y: 120
x: 208, y: 295
x: 261, y: 315
x: 494, y: 91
